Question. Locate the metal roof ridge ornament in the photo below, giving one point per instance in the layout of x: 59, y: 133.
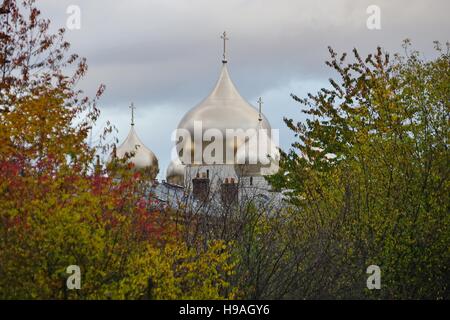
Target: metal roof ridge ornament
x: 225, y: 38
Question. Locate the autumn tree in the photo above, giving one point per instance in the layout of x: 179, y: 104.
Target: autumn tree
x: 369, y: 176
x: 59, y: 206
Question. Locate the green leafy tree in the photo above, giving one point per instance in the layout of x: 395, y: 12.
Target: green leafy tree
x: 369, y: 176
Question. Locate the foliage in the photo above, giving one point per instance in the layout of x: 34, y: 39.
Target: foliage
x: 369, y: 176
x: 59, y: 208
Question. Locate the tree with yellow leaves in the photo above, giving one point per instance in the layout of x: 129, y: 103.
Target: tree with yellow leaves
x: 57, y: 208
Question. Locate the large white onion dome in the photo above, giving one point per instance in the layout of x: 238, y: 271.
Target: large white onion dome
x: 175, y: 172
x: 143, y: 158
x: 224, y: 108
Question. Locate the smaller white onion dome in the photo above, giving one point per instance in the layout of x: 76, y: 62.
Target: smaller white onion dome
x: 143, y: 158
x: 175, y: 172
x: 258, y: 156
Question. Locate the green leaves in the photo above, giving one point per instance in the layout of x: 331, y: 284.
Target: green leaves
x: 383, y: 198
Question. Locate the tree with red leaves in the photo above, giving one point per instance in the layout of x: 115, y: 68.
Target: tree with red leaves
x: 58, y: 208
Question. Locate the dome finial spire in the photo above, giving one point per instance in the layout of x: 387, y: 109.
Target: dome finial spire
x: 132, y: 107
x: 225, y: 38
x: 260, y: 102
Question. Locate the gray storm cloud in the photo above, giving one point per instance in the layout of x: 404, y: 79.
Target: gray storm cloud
x: 165, y: 55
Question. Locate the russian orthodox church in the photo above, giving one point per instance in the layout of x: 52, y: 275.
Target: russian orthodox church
x: 230, y: 178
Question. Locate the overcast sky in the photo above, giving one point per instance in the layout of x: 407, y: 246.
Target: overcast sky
x: 165, y: 55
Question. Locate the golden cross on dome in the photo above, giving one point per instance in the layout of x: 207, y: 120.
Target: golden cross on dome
x: 225, y: 38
